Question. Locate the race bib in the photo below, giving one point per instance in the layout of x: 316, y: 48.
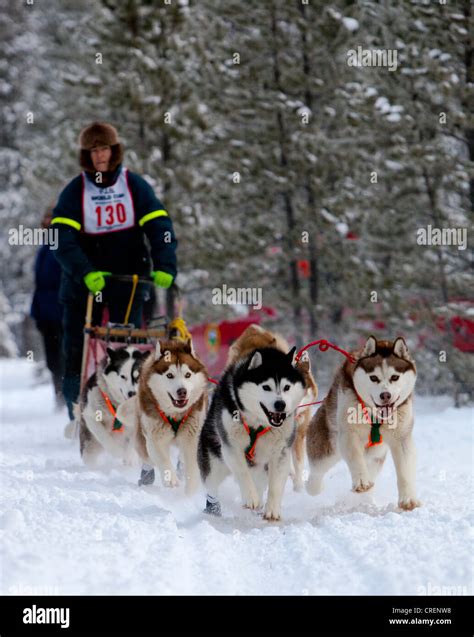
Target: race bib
x: 107, y: 209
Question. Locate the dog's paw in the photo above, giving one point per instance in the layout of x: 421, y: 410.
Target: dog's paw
x: 362, y: 486
x: 252, y: 502
x: 213, y: 508
x: 191, y: 487
x: 70, y: 430
x: 408, y: 504
x: 314, y: 486
x: 147, y: 477
x: 272, y: 515
x: 298, y: 484
x: 252, y: 506
x: 170, y: 481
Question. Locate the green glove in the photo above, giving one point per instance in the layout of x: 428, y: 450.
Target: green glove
x: 162, y: 279
x: 95, y: 281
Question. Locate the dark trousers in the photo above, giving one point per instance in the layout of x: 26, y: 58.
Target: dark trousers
x: 74, y: 314
x: 52, y: 333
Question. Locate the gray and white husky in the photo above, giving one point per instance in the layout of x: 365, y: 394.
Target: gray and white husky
x: 369, y: 409
x: 250, y: 427
x: 114, y: 382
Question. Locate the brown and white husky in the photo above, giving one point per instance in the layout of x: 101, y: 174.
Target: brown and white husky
x: 169, y: 409
x: 369, y: 409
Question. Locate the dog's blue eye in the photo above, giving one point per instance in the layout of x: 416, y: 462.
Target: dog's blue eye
x: 374, y: 379
x: 187, y: 375
x: 266, y: 388
x: 169, y: 376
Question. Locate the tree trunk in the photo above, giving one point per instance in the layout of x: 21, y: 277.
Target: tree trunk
x: 430, y: 189
x: 313, y: 256
x: 286, y: 195
x: 469, y: 62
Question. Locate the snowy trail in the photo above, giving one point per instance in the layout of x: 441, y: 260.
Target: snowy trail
x: 68, y: 530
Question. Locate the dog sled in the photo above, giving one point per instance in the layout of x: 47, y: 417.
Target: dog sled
x: 97, y: 338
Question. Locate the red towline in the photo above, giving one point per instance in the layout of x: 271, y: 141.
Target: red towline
x: 324, y: 345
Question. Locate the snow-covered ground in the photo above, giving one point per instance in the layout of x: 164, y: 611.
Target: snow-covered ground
x: 68, y: 530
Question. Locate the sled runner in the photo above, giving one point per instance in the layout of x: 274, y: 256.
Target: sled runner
x: 98, y: 337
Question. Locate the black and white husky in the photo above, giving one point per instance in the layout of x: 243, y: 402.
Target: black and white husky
x: 114, y: 382
x: 250, y: 427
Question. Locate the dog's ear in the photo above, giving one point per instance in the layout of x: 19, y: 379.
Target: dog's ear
x: 189, y: 347
x: 292, y: 356
x: 140, y: 356
x: 256, y: 360
x: 303, y: 363
x: 110, y: 353
x: 400, y: 348
x: 370, y: 347
x: 158, y: 350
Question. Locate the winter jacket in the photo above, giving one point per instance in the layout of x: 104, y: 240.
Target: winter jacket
x: 120, y: 251
x: 45, y: 307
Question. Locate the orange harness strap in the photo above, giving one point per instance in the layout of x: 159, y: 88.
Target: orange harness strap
x: 254, y: 434
x: 375, y: 437
x: 116, y: 425
x: 174, y: 424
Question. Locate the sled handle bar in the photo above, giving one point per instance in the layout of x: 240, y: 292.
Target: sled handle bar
x: 129, y: 278
x: 126, y: 278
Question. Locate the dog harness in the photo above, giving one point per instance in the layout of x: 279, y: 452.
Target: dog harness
x: 375, y: 437
x: 116, y: 425
x: 254, y: 434
x: 174, y: 424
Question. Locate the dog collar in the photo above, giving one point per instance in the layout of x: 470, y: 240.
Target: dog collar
x: 254, y: 434
x: 375, y: 437
x: 174, y: 424
x: 116, y: 425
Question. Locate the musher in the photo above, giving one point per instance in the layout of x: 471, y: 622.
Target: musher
x: 105, y: 218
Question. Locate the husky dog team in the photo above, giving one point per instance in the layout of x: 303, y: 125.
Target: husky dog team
x: 139, y: 404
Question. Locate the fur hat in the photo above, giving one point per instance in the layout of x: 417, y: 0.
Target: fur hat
x: 99, y: 134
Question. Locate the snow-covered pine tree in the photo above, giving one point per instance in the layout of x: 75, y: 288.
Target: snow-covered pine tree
x: 16, y: 57
x: 416, y: 120
x: 148, y: 77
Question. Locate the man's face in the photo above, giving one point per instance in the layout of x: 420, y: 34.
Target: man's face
x: 100, y: 156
